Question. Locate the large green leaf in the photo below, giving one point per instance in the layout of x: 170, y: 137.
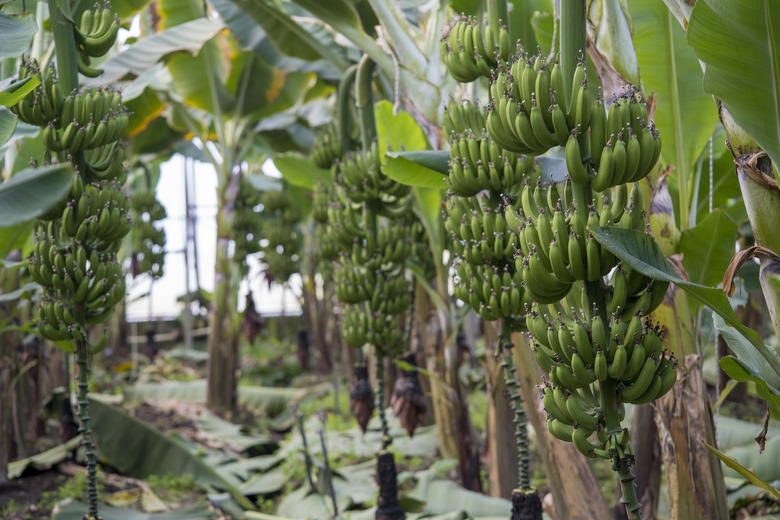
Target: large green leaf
x: 188, y: 36
x: 737, y: 41
x: 15, y: 237
x: 640, y: 251
x: 397, y: 131
x: 685, y: 114
x: 12, y: 93
x: 751, y: 364
x: 749, y: 474
x: 306, y: 39
x: 442, y: 495
x: 138, y: 449
x: 410, y: 168
x: 614, y: 39
x: 32, y: 192
x: 724, y: 190
x: 707, y: 248
x: 252, y: 36
x: 342, y: 16
x: 7, y: 125
x: 300, y: 171
x: 18, y: 32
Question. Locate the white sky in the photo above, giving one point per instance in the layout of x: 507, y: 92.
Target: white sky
x: 170, y: 192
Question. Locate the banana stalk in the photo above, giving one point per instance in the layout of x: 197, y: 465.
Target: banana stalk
x: 525, y: 500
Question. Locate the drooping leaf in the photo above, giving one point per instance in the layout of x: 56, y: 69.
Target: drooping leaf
x: 442, y: 496
x: 143, y: 110
x: 265, y: 483
x: 418, y: 168
x: 736, y: 40
x: 7, y: 125
x: 12, y: 93
x: 32, y: 192
x: 189, y: 36
x: 303, y: 39
x: 749, y: 474
x: 640, y: 251
x: 707, y: 248
x: 300, y: 171
x: 751, y: 364
x: 685, y: 114
x: 15, y: 295
x: 18, y: 32
x: 45, y: 460
x: 121, y: 437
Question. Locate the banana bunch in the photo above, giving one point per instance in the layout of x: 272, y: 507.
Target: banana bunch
x: 478, y: 163
x: 361, y: 175
x: 327, y: 147
x: 148, y: 239
x: 280, y: 220
x: 580, y: 351
x: 459, y: 118
x: 43, y: 104
x: 529, y: 112
x: 376, y: 321
x: 345, y: 219
x: 321, y: 198
x: 95, y: 35
x: 471, y: 49
x: 91, y: 119
x: 75, y: 259
x: 420, y: 254
x: 247, y: 222
x: 624, y: 147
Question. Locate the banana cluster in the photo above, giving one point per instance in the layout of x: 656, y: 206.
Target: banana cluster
x: 92, y: 121
x: 483, y: 179
x: 327, y: 147
x: 362, y: 177
x: 280, y: 220
x: 375, y: 320
x: 148, y: 238
x: 247, y: 222
x: 368, y: 218
x: 623, y: 146
x: 471, y: 49
x: 529, y: 112
x: 75, y: 254
x: 43, y: 104
x: 580, y: 351
x: 75, y: 259
x: 95, y: 34
x: 556, y: 248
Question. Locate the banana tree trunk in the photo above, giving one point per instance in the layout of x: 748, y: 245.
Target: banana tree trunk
x: 456, y: 435
x: 694, y: 478
x: 222, y: 390
x: 573, y: 485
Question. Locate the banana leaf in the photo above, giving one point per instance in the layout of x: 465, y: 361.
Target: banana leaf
x: 735, y: 39
x: 77, y: 510
x: 18, y: 32
x: 32, y: 192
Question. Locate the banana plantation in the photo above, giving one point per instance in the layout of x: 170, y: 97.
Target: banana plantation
x: 465, y: 259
